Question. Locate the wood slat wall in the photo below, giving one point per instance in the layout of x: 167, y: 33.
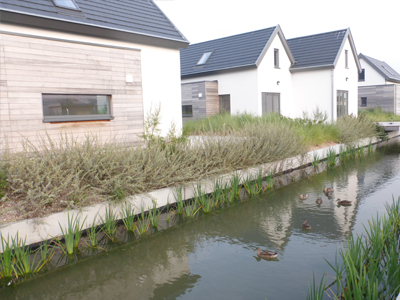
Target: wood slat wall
x: 212, y: 99
x: 397, y: 98
x: 32, y: 66
x: 377, y: 95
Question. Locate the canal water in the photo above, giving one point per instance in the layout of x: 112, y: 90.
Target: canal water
x: 213, y: 257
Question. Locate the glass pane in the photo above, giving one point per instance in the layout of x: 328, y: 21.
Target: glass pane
x: 74, y: 105
x: 66, y: 3
x: 204, y: 58
x: 187, y: 110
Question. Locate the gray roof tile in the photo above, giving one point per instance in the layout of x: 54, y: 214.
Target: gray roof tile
x: 316, y: 50
x: 383, y: 68
x: 136, y: 16
x: 228, y: 52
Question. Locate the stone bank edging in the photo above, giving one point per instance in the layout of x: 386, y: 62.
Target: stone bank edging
x: 40, y: 229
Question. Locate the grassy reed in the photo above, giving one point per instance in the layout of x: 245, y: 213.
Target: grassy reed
x: 143, y: 224
x: 371, y: 266
x: 71, y: 234
x: 378, y: 115
x: 128, y: 217
x: 109, y: 223
x: 154, y: 216
x: 55, y: 174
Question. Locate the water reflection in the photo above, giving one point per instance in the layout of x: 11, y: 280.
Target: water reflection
x: 213, y: 256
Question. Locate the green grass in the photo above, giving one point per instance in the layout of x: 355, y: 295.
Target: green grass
x: 128, y: 217
x: 154, y: 215
x: 378, y: 115
x: 109, y: 223
x: 71, y: 234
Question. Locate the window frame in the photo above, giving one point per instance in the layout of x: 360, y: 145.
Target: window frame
x: 77, y: 118
x: 276, y: 58
x: 361, y: 76
x: 362, y: 103
x: 187, y: 115
x: 67, y: 7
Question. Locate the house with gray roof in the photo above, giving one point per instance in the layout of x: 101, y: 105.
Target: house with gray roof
x: 378, y: 85
x: 85, y: 66
x: 261, y: 72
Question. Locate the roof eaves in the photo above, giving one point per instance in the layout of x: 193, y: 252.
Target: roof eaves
x: 184, y: 40
x: 176, y: 28
x: 235, y: 68
x: 312, y: 68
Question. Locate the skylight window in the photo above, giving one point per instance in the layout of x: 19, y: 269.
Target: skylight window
x: 70, y: 4
x: 204, y: 58
x: 387, y: 70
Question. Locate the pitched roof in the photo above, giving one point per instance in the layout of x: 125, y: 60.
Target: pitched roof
x: 238, y: 51
x: 382, y: 68
x: 141, y: 17
x: 320, y: 50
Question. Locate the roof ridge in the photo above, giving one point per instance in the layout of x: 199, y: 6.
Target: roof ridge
x: 235, y: 35
x: 317, y: 34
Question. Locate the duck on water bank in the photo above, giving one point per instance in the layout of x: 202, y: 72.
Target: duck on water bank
x: 266, y: 253
x: 303, y: 196
x: 305, y: 225
x: 343, y: 202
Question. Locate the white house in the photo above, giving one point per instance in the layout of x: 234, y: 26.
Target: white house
x: 86, y: 67
x: 378, y: 85
x: 260, y: 72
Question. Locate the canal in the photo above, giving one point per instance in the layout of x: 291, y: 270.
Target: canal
x: 213, y: 257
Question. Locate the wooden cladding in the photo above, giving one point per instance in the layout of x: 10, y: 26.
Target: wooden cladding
x: 31, y: 67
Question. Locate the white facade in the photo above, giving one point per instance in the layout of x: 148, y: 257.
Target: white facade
x: 160, y: 69
x: 301, y: 91
x: 245, y: 87
x: 372, y: 77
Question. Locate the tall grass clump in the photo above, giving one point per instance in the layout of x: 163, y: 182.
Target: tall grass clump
x: 376, y: 114
x: 371, y: 266
x: 178, y: 195
x: 331, y: 158
x: 128, y: 217
x: 109, y: 223
x: 143, y: 224
x: 154, y: 215
x: 71, y: 234
x: 54, y: 173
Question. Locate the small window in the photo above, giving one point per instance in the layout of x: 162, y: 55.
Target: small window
x: 187, y: 110
x: 276, y: 58
x: 70, y: 4
x: 204, y: 58
x: 363, y: 101
x: 361, y: 76
x: 67, y: 108
x: 346, y: 58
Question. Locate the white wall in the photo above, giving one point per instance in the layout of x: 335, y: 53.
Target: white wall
x: 351, y: 84
x: 160, y: 72
x: 241, y: 85
x: 268, y: 76
x: 311, y: 90
x: 372, y: 77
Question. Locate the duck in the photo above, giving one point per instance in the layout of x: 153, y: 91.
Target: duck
x: 303, y: 196
x: 266, y: 253
x: 305, y: 225
x: 318, y: 201
x: 329, y: 195
x: 343, y: 202
x: 328, y: 190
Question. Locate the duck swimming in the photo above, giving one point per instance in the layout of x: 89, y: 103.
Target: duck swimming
x: 266, y: 253
x: 303, y: 196
x: 343, y: 202
x: 305, y: 225
x: 328, y: 190
x: 318, y: 201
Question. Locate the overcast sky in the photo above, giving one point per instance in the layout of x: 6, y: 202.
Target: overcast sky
x: 374, y: 24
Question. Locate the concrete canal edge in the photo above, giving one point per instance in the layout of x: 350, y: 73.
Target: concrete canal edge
x: 40, y: 229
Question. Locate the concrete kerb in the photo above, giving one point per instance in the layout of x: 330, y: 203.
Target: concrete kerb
x: 39, y: 229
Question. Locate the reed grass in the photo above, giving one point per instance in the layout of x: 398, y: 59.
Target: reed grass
x: 128, y: 217
x: 109, y: 223
x: 92, y: 233
x: 143, y: 224
x: 371, y: 266
x: 218, y: 193
x: 331, y: 158
x: 191, y: 209
x: 71, y: 234
x: 316, y: 160
x: 58, y: 173
x: 252, y: 186
x: 270, y: 180
x: 202, y: 199
x: 179, y: 199
x: 154, y: 215
x: 235, y: 187
x: 378, y: 115
x: 6, y: 258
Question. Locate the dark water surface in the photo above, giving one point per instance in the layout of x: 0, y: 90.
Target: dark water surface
x: 213, y: 257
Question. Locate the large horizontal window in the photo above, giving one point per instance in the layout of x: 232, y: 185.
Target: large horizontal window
x: 64, y: 108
